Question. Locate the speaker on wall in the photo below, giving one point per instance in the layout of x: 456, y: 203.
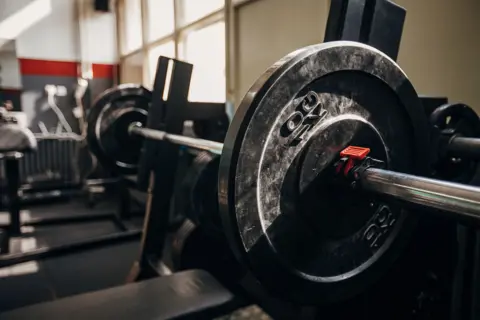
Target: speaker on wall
x: 102, y: 5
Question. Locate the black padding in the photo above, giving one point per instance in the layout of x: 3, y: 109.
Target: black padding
x: 181, y: 295
x: 14, y: 138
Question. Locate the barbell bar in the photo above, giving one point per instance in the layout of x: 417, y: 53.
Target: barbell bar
x: 195, y: 143
x: 461, y: 200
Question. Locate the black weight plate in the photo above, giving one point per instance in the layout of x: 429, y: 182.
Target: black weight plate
x: 304, y: 239
x: 198, y: 196
x: 459, y: 119
x: 194, y: 248
x: 107, y: 126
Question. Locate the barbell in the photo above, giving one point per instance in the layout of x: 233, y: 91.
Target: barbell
x: 460, y: 199
x: 319, y: 172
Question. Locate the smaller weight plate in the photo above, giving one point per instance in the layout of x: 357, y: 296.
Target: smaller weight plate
x: 460, y: 120
x: 193, y: 247
x: 305, y: 239
x: 197, y: 198
x: 107, y: 126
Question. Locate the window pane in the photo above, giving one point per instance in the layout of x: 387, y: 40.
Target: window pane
x: 131, y: 22
x: 166, y: 49
x: 196, y: 9
x: 205, y: 49
x: 131, y: 70
x: 160, y: 18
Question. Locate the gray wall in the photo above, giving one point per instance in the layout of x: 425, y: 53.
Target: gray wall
x: 441, y: 46
x: 266, y: 30
x: 439, y: 50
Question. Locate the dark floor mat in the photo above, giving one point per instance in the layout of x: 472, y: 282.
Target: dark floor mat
x: 24, y: 284
x: 91, y: 270
x: 63, y: 234
x: 71, y: 274
x: 68, y: 208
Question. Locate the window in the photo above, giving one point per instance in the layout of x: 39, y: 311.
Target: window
x: 131, y: 70
x: 177, y: 29
x: 205, y: 49
x: 197, y: 9
x: 131, y: 18
x: 160, y: 18
x: 166, y: 49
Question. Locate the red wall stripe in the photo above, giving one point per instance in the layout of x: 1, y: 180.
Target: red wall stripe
x: 103, y: 71
x: 35, y: 67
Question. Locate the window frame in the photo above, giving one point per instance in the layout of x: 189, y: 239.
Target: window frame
x: 179, y: 34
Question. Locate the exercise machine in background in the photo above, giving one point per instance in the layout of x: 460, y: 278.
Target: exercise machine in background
x: 49, y: 167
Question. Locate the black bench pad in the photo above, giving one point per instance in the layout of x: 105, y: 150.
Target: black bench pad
x: 187, y: 294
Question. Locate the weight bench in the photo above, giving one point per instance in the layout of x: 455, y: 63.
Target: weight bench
x: 192, y: 294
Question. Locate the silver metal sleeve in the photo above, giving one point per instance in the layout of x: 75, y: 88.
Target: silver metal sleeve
x: 460, y: 199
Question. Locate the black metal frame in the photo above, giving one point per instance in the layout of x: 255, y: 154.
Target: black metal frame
x: 160, y: 159
x: 378, y: 23
x: 12, y: 172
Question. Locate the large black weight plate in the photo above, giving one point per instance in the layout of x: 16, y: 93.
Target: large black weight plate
x: 107, y: 126
x: 304, y: 239
x: 461, y: 120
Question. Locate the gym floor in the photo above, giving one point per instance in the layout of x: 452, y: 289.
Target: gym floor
x: 79, y: 272
x: 70, y: 274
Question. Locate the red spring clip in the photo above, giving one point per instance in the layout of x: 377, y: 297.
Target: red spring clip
x: 350, y: 155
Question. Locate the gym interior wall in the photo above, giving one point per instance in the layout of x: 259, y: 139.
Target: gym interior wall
x: 51, y: 50
x: 433, y: 52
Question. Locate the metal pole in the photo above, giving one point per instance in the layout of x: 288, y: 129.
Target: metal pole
x: 454, y: 198
x: 200, y: 144
x: 12, y: 173
x: 465, y: 147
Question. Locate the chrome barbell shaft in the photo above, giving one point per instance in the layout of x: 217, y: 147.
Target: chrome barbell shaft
x: 196, y: 143
x: 458, y: 199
